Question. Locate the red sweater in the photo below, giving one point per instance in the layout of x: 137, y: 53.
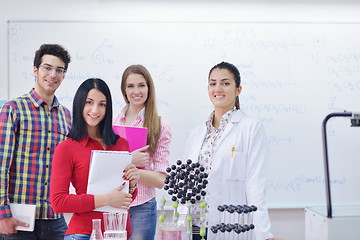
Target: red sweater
x: 71, y: 164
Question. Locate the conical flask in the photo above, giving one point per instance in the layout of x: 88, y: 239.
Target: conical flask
x: 96, y: 230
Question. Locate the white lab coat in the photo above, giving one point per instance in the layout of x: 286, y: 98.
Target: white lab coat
x: 238, y: 180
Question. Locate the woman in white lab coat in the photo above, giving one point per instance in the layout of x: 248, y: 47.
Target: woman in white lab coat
x: 233, y: 149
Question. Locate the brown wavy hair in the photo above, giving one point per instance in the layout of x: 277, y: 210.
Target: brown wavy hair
x: 152, y: 119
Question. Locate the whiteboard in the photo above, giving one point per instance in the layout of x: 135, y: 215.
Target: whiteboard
x: 293, y: 75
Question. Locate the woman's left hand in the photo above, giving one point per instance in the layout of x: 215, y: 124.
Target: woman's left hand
x: 132, y: 174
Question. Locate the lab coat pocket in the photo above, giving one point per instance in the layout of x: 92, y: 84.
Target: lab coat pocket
x: 236, y: 169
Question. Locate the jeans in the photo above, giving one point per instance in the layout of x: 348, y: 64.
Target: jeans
x: 77, y: 237
x: 143, y: 221
x: 43, y: 230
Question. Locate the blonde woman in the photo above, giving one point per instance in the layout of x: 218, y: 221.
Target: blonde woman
x: 138, y: 90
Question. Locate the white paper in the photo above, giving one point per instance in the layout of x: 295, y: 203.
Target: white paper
x: 106, y: 174
x: 24, y: 213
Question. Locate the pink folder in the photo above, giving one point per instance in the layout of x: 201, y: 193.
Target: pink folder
x: 136, y: 136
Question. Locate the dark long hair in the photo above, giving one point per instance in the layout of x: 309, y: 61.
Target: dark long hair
x: 78, y: 127
x: 235, y: 72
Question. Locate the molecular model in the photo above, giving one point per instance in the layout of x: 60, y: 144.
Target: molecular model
x: 185, y: 183
x: 237, y: 222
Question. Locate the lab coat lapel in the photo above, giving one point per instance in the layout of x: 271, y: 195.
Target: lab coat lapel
x: 235, y: 119
x: 197, y: 142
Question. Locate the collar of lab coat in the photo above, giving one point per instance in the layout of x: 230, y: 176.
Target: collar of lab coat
x: 235, y: 119
x: 198, y: 139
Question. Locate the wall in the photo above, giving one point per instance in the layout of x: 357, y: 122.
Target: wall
x: 285, y: 67
x: 287, y: 223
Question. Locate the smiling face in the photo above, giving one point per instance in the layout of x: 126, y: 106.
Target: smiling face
x: 136, y: 90
x: 49, y: 75
x: 222, y: 89
x: 94, y: 110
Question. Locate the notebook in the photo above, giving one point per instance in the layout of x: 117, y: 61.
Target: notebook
x: 136, y: 136
x: 106, y: 172
x: 24, y: 213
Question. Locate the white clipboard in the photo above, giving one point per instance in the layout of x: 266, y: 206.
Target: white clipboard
x: 106, y: 174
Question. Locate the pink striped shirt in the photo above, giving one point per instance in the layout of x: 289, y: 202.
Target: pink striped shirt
x: 158, y: 160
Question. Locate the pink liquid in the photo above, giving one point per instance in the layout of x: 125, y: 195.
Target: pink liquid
x: 170, y: 234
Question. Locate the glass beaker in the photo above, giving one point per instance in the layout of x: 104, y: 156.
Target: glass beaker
x: 170, y: 232
x: 96, y: 230
x: 115, y: 225
x: 115, y: 221
x: 115, y: 235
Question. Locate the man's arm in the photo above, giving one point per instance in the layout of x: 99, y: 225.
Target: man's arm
x: 8, y: 128
x: 7, y: 144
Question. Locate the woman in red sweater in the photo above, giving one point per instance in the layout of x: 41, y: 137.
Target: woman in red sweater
x: 91, y: 130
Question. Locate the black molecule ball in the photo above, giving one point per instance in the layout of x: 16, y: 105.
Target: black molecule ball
x: 186, y: 181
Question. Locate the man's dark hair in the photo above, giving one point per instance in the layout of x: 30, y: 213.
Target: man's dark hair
x: 54, y: 50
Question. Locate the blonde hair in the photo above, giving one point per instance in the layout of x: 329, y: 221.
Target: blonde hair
x: 152, y: 119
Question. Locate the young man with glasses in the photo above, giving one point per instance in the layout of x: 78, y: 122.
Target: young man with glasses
x: 31, y: 126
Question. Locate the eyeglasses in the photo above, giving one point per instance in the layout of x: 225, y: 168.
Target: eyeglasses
x: 49, y: 69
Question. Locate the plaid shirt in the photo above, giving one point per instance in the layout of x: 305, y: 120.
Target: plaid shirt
x: 29, y: 133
